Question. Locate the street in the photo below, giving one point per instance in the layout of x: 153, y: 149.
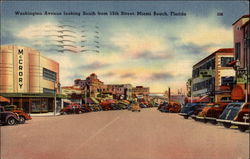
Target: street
x: 122, y: 134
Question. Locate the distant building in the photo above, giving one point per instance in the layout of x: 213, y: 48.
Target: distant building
x: 213, y: 77
x: 74, y: 93
x: 29, y: 79
x: 119, y: 91
x: 92, y: 86
x: 140, y: 92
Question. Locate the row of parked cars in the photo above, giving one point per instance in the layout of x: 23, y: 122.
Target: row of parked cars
x: 11, y: 115
x: 228, y: 114
x: 105, y: 105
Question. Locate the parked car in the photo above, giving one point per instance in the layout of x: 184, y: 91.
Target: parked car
x: 142, y: 105
x: 22, y: 115
x: 72, y: 109
x: 213, y: 112
x: 230, y: 113
x: 8, y: 117
x: 174, y: 107
x: 106, y: 105
x: 135, y: 107
x: 86, y: 108
x: 190, y: 109
x: 242, y: 118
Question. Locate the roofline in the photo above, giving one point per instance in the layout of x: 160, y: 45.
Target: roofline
x: 244, y: 16
x: 222, y: 50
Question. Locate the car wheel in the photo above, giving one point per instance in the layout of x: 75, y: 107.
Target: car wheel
x: 226, y: 125
x: 214, y: 122
x: 11, y: 121
x: 21, y: 120
x: 185, y: 117
x: 80, y: 112
x: 242, y: 128
x: 65, y: 113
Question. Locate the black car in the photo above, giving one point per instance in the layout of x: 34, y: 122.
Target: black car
x: 191, y: 109
x: 229, y: 113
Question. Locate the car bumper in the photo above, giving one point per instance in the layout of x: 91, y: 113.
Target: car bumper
x: 200, y: 117
x: 210, y: 118
x: 240, y: 123
x: 183, y: 114
x: 223, y: 121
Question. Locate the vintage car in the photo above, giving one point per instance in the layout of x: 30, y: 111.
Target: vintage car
x: 174, y: 107
x: 106, y: 105
x: 211, y: 112
x: 135, y: 107
x: 142, y: 105
x: 242, y: 118
x: 191, y: 109
x: 229, y: 113
x: 22, y: 115
x: 86, y: 108
x: 164, y: 107
x: 8, y: 117
x: 72, y: 109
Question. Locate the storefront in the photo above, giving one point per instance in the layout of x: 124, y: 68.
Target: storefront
x: 35, y: 103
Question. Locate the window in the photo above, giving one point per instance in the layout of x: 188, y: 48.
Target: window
x: 49, y: 75
x: 226, y: 81
x: 46, y: 90
x: 225, y: 61
x: 237, y: 50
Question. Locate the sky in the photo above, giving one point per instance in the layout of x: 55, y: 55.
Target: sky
x: 153, y: 51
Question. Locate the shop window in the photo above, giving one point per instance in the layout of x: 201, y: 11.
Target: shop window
x: 35, y: 106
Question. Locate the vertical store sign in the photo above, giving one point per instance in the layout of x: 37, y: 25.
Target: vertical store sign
x: 20, y: 69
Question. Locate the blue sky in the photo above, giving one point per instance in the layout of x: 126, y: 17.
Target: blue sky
x: 155, y: 51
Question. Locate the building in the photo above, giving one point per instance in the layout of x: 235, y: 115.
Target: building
x: 119, y: 91
x: 140, y: 92
x: 92, y: 86
x: 74, y: 93
x: 241, y: 29
x: 29, y: 79
x: 213, y: 77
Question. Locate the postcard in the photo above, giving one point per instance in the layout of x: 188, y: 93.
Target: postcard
x: 125, y: 79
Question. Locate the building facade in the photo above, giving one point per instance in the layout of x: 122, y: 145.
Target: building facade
x: 74, y: 93
x: 92, y: 86
x: 119, y: 91
x: 213, y: 77
x: 29, y: 79
x: 140, y: 92
x: 241, y: 29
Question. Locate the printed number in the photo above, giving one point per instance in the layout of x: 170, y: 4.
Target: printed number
x: 219, y: 14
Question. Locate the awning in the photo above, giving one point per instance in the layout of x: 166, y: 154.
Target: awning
x: 204, y: 99
x: 238, y: 92
x: 3, y: 99
x: 94, y: 100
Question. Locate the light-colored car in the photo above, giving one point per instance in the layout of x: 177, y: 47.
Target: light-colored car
x: 136, y: 107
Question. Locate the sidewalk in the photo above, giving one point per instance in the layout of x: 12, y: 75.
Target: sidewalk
x: 44, y: 114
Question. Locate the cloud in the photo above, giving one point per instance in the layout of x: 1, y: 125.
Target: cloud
x: 161, y: 76
x: 127, y: 75
x: 151, y: 55
x: 94, y: 65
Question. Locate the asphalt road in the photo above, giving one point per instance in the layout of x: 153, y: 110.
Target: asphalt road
x: 148, y: 134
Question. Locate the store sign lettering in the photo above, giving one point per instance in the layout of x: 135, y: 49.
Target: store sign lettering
x: 20, y: 68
